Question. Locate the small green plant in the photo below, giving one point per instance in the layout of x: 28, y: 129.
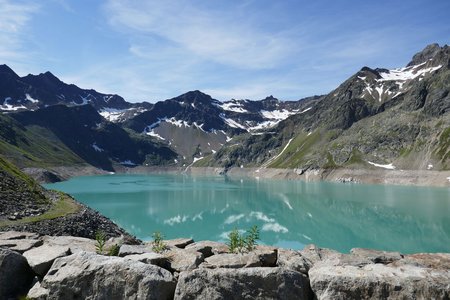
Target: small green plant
x: 251, y: 238
x: 238, y: 243
x: 114, y: 250
x: 100, y: 239
x: 158, y: 244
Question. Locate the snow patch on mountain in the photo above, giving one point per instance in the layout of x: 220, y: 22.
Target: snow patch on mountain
x: 232, y: 123
x: 111, y: 114
x: 127, y: 163
x: 9, y: 107
x: 31, y: 99
x: 96, y: 147
x: 278, y: 114
x: 407, y: 73
x: 232, y: 106
x: 389, y: 166
x: 154, y: 134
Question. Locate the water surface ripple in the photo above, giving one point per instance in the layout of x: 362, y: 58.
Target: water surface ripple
x: 289, y: 213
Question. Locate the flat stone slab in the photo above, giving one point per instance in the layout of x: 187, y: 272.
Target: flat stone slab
x: 293, y: 260
x: 208, y: 248
x: 151, y: 258
x: 17, y: 235
x: 250, y: 283
x: 183, y: 259
x: 179, y: 243
x: 75, y: 244
x: 231, y: 260
x: 134, y: 249
x: 376, y: 256
x: 41, y: 258
x: 21, y: 245
x: 378, y: 281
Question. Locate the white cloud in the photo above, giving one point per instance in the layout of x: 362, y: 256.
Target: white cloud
x: 233, y: 218
x: 14, y: 20
x: 209, y: 34
x: 260, y: 216
x: 275, y: 227
x: 176, y: 220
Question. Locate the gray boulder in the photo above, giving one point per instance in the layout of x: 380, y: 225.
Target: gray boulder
x: 231, y: 260
x: 91, y: 276
x: 208, y: 248
x: 252, y: 283
x: 183, y: 259
x: 314, y: 254
x: 16, y: 276
x: 377, y: 256
x: 17, y: 235
x: 41, y: 258
x: 134, y: 249
x: 178, y: 243
x: 75, y: 244
x: 20, y: 245
x: 293, y: 260
x: 352, y: 278
x: 151, y: 258
x: 261, y: 256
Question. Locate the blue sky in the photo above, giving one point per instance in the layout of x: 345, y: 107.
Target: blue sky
x: 147, y: 50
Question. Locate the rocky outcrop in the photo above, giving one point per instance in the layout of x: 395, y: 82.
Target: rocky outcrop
x: 248, y: 283
x: 92, y: 276
x: 356, y: 277
x: 41, y: 258
x: 201, y: 270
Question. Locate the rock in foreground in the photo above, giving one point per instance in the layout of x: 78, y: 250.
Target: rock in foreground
x: 91, y: 276
x: 248, y: 283
x: 16, y: 275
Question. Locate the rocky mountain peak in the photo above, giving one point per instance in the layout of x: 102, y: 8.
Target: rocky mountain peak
x: 5, y: 69
x: 432, y: 51
x: 195, y: 97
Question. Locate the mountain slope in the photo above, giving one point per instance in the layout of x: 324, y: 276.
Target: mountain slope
x: 377, y: 118
x: 194, y: 124
x: 61, y: 135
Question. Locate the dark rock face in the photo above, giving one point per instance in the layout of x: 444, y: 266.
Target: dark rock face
x: 16, y: 275
x: 37, y: 91
x: 249, y: 283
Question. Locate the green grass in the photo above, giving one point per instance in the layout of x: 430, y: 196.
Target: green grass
x: 356, y: 158
x: 330, y: 164
x: 297, y: 150
x: 65, y: 205
x: 443, y: 149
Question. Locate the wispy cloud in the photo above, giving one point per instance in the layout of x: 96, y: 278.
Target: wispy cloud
x: 210, y: 34
x: 15, y: 17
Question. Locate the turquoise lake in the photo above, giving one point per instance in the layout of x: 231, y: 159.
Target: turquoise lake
x: 288, y: 213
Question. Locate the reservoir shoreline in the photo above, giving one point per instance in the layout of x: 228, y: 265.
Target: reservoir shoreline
x: 428, y: 178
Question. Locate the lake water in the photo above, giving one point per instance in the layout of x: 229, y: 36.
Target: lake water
x: 289, y: 213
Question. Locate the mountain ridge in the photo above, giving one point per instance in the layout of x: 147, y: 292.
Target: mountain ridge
x: 377, y: 117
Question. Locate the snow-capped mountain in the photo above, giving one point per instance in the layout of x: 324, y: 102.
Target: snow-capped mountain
x: 194, y: 124
x: 378, y: 118
x: 37, y: 91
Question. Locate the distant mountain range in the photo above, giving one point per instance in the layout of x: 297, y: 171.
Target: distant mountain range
x: 377, y: 118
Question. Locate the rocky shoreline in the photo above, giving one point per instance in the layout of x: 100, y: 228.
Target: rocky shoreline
x: 67, y: 267
x: 377, y: 176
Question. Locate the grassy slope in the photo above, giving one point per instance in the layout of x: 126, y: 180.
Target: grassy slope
x: 33, y: 146
x: 60, y: 206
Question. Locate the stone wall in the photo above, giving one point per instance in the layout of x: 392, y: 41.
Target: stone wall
x: 66, y: 267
